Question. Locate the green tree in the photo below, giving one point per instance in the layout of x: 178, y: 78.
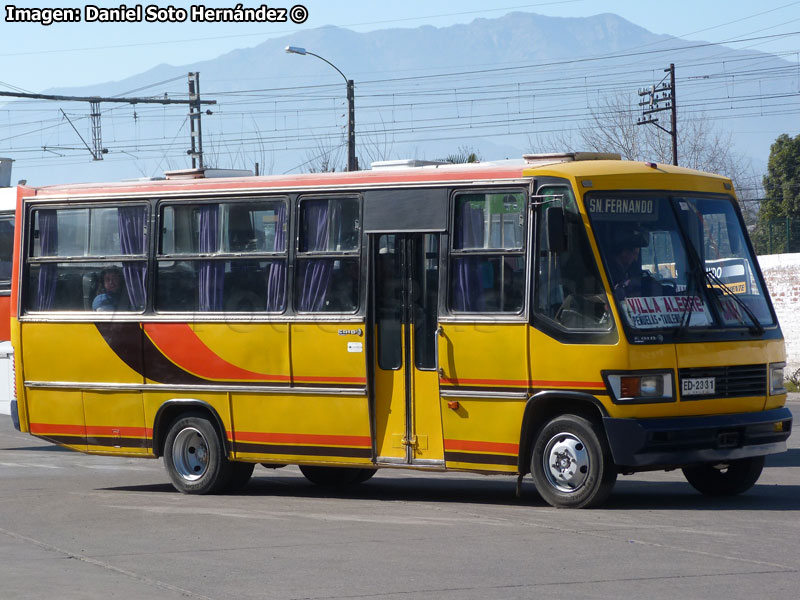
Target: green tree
x: 780, y: 209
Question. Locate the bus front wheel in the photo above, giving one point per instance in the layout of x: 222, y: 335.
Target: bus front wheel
x: 195, y: 457
x: 726, y: 479
x: 571, y: 463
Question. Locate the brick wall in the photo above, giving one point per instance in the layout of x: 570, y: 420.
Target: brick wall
x: 782, y: 273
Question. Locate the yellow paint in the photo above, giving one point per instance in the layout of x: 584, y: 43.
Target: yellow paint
x: 390, y: 410
x: 320, y: 354
x: 73, y: 352
x: 112, y: 411
x: 484, y: 354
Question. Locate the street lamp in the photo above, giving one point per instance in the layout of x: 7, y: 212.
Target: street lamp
x: 352, y: 162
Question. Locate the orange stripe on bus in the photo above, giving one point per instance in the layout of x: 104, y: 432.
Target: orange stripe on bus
x: 303, y: 438
x: 105, y: 431
x: 584, y: 384
x: 93, y: 430
x: 498, y: 447
x: 181, y: 345
x: 523, y: 382
x: 518, y: 382
x: 45, y: 428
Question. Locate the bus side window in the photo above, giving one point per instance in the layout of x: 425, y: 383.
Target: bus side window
x: 223, y: 257
x: 487, y: 259
x: 86, y: 241
x: 328, y: 263
x: 569, y: 290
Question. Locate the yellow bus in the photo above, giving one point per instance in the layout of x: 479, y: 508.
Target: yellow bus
x: 565, y: 316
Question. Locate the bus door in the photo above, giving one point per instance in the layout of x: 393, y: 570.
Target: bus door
x: 405, y: 287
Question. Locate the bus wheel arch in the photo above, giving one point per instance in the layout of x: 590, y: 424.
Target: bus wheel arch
x: 567, y: 451
x: 542, y: 407
x: 171, y: 410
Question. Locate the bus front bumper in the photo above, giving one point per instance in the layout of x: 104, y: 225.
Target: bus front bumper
x: 679, y: 441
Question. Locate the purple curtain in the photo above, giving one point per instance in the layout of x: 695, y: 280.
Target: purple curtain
x: 467, y: 288
x: 48, y: 272
x: 130, y: 221
x: 211, y: 274
x: 315, y: 273
x: 276, y: 279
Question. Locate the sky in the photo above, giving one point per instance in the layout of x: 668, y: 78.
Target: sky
x: 36, y: 57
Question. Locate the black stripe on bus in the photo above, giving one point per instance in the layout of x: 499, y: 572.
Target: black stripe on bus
x: 483, y: 459
x: 110, y: 442
x: 302, y: 450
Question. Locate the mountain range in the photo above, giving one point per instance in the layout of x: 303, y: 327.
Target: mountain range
x: 494, y: 86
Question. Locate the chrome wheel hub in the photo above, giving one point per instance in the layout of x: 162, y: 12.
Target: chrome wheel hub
x: 190, y: 454
x: 566, y: 462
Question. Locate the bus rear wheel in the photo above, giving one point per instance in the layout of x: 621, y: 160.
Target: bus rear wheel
x: 726, y: 479
x: 195, y: 457
x: 335, y: 476
x: 571, y: 463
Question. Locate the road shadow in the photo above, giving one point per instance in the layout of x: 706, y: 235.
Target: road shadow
x: 790, y: 458
x: 49, y: 448
x: 628, y: 494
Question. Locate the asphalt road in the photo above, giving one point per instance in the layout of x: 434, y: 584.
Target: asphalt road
x: 84, y: 527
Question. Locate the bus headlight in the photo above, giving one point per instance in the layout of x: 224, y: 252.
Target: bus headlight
x: 776, y: 379
x: 640, y: 387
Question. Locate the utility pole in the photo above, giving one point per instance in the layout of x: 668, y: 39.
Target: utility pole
x: 663, y: 93
x: 195, y: 126
x: 352, y: 161
x: 97, y: 150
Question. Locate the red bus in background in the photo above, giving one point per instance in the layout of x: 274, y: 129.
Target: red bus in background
x: 8, y: 201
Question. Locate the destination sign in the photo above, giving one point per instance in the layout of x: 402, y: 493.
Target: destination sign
x: 665, y: 311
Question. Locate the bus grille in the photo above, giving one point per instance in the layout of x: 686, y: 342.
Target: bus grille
x: 730, y: 382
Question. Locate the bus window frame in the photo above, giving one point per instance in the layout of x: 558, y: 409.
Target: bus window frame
x: 359, y: 312
x: 541, y: 322
x: 28, y: 260
x: 155, y: 255
x: 8, y: 215
x: 447, y: 252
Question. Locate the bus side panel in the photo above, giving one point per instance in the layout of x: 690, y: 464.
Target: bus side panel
x: 295, y: 428
x: 57, y: 416
x: 481, y: 432
x: 332, y: 358
x: 52, y: 371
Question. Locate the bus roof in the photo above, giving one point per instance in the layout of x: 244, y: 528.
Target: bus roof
x: 579, y: 165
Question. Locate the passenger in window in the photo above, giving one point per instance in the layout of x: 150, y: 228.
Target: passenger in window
x: 111, y: 295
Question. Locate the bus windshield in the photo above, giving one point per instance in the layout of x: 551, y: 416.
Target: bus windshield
x: 677, y: 261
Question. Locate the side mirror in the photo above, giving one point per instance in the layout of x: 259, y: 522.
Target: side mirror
x: 555, y: 229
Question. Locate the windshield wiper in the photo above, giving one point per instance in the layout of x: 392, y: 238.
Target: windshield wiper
x: 718, y: 284
x: 686, y: 315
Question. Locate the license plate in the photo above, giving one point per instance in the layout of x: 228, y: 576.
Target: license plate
x: 698, y: 386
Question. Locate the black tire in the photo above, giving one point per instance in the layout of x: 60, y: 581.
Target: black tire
x: 239, y: 476
x: 335, y: 476
x: 726, y: 479
x: 571, y: 463
x: 365, y: 475
x: 194, y: 456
